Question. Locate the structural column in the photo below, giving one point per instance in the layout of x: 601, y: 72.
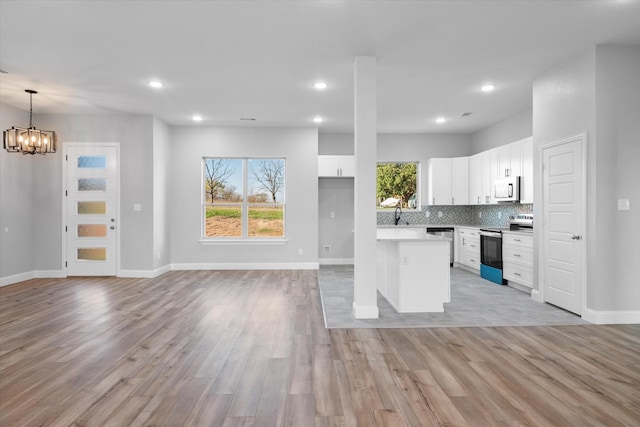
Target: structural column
x: 365, y: 304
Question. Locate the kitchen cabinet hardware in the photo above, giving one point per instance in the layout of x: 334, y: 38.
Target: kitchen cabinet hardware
x: 576, y: 237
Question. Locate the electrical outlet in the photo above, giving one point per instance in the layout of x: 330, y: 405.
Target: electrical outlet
x: 332, y: 214
x: 499, y: 215
x: 327, y: 248
x: 439, y: 214
x: 300, y: 251
x: 428, y: 214
x: 479, y: 214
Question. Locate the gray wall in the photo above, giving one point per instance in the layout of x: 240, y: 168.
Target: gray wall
x: 298, y: 146
x: 335, y: 195
x: 598, y: 94
x: 17, y: 200
x: 39, y: 196
x: 161, y: 199
x: 617, y: 157
x: 512, y: 128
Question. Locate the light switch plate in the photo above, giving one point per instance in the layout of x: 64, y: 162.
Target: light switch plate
x: 137, y: 207
x: 623, y: 205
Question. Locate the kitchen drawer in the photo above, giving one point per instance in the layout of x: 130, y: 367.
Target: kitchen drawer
x: 518, y: 273
x: 517, y: 254
x: 517, y: 239
x: 469, y: 232
x: 470, y: 259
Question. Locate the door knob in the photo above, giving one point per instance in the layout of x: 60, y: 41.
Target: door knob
x: 576, y: 236
x: 113, y: 227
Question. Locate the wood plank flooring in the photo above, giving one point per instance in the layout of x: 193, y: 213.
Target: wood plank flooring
x: 249, y: 348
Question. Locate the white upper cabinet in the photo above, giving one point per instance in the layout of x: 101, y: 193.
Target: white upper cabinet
x: 483, y: 170
x: 526, y: 184
x: 448, y: 181
x: 510, y: 160
x: 476, y: 173
x: 460, y: 181
x: 439, y: 182
x: 337, y: 166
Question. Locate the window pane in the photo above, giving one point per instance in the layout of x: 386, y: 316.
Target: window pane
x: 92, y: 230
x: 266, y: 181
x: 92, y: 184
x: 223, y: 221
x: 92, y: 162
x: 396, y: 185
x: 92, y: 208
x: 92, y: 254
x: 266, y: 221
x: 222, y: 181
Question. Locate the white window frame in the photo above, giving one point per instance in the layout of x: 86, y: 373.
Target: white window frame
x: 244, y: 206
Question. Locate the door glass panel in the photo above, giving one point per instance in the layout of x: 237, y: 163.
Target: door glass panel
x: 92, y: 254
x: 92, y: 208
x: 92, y: 184
x: 93, y: 162
x: 92, y: 230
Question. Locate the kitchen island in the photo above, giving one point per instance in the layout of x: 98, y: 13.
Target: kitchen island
x: 413, y: 269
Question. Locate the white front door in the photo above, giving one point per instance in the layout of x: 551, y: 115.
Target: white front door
x: 563, y: 222
x: 91, y: 209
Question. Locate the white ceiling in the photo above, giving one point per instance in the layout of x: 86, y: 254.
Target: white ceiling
x: 228, y: 60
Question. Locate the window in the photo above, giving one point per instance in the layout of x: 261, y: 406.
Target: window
x: 243, y: 198
x: 397, y: 185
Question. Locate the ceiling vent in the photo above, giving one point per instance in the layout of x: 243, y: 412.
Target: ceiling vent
x: 248, y: 119
x: 466, y: 114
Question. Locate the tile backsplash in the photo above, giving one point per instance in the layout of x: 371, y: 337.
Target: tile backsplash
x: 485, y: 215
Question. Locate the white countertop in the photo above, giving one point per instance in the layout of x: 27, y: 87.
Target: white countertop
x: 406, y: 233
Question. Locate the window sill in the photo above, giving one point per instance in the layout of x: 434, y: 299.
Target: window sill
x: 208, y: 242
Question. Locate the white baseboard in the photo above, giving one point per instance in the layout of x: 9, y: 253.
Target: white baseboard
x: 17, y: 278
x: 535, y: 295
x: 247, y: 266
x: 145, y: 274
x: 365, y: 312
x: 336, y: 261
x: 50, y: 274
x: 611, y: 317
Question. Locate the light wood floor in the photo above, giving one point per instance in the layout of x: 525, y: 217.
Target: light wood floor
x: 244, y: 348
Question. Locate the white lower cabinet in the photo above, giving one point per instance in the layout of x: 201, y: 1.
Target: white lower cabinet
x: 517, y: 258
x: 469, y: 247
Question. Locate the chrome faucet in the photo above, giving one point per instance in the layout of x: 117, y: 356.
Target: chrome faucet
x: 398, y: 214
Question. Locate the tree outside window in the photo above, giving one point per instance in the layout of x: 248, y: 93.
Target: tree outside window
x: 396, y: 185
x: 243, y: 198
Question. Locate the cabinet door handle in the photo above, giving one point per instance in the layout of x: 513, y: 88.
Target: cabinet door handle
x: 518, y: 255
x: 453, y: 201
x: 434, y: 201
x: 516, y: 240
x: 473, y: 246
x: 517, y: 274
x: 478, y: 199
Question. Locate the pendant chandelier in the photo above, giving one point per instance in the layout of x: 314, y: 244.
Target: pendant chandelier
x: 29, y: 140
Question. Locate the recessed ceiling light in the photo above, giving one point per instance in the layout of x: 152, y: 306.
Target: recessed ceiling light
x: 441, y: 120
x: 197, y: 118
x: 320, y: 85
x: 318, y: 119
x: 155, y: 84
x: 488, y: 87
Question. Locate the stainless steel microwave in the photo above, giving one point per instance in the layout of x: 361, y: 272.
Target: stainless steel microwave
x: 507, y: 189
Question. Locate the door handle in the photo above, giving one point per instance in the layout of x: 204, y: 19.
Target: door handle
x: 576, y: 237
x: 113, y: 227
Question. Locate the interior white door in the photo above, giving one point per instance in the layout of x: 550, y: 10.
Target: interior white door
x: 91, y: 210
x: 563, y: 219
